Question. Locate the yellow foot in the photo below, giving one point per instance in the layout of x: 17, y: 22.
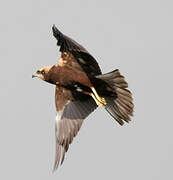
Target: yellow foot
x: 100, y: 104
x: 99, y: 100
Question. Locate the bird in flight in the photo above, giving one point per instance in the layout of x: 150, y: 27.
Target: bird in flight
x: 80, y: 88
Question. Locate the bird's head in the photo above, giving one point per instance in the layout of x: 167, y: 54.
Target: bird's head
x: 42, y: 73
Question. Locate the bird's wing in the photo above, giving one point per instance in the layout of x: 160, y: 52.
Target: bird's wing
x: 70, y: 115
x: 82, y: 56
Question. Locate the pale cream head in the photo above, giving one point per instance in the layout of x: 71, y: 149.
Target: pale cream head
x: 42, y: 73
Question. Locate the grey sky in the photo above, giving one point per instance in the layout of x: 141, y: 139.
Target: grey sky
x: 134, y: 36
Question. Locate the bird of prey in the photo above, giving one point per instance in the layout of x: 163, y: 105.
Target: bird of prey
x: 80, y: 88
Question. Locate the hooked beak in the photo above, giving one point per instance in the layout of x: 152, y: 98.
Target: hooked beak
x: 34, y: 75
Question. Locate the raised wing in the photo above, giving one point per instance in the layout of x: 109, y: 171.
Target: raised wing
x: 70, y: 115
x: 86, y: 60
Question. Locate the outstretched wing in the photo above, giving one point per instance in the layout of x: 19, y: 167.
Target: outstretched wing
x: 70, y: 115
x: 82, y: 56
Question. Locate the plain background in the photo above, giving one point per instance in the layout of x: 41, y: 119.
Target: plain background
x: 134, y: 36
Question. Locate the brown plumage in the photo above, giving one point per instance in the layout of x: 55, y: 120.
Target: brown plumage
x: 80, y: 89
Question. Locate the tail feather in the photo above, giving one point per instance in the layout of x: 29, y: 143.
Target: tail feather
x: 112, y: 108
x: 121, y: 107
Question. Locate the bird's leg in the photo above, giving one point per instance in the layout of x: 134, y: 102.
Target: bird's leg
x: 99, y: 100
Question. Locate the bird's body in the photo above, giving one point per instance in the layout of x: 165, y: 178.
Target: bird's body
x: 80, y: 89
x: 67, y: 75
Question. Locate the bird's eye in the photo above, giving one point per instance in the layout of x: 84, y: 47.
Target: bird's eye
x: 42, y: 72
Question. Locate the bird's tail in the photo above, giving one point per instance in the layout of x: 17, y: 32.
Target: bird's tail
x: 121, y: 107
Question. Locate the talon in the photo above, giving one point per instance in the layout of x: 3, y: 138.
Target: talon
x: 100, y: 104
x: 100, y: 101
x: 96, y: 100
x: 103, y: 101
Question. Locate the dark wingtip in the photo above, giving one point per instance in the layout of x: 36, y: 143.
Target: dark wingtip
x: 56, y: 32
x: 54, y: 29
